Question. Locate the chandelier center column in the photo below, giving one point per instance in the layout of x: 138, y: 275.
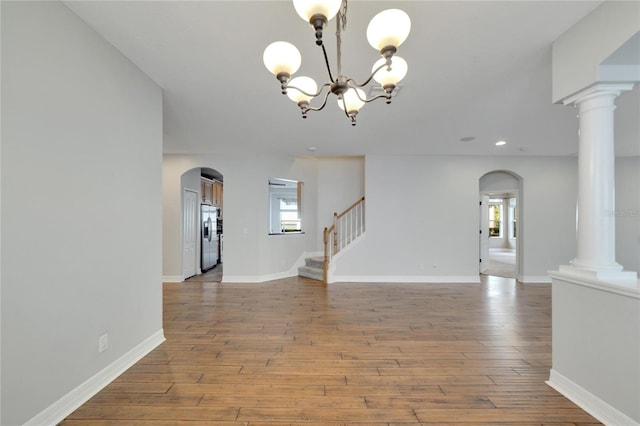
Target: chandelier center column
x: 596, y: 184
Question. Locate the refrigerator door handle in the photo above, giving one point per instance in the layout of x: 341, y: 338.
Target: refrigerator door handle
x: 210, y: 223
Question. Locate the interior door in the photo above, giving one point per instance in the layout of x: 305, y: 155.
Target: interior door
x: 189, y: 234
x: 484, y: 233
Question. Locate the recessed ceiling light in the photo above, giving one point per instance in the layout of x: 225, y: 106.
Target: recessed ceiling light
x: 312, y: 148
x: 467, y: 139
x: 500, y: 143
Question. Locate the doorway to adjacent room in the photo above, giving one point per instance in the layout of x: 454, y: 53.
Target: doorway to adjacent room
x: 500, y: 224
x: 202, y: 225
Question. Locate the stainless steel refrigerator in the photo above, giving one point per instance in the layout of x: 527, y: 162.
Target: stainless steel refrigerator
x: 209, y: 248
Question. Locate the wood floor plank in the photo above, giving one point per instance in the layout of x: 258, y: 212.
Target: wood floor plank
x: 276, y: 379
x: 155, y: 412
x: 535, y: 388
x: 114, y: 399
x: 248, y: 389
x: 323, y: 415
x: 364, y: 391
x: 284, y: 401
x: 440, y: 401
x: 133, y: 377
x: 138, y: 388
x: 502, y: 415
x: 409, y: 380
x: 297, y: 352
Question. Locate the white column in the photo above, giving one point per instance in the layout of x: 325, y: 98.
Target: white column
x: 596, y: 251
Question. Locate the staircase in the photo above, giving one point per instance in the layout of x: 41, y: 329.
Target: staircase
x: 346, y: 228
x: 313, y: 268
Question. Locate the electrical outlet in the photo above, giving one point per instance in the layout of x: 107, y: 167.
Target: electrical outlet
x: 103, y: 342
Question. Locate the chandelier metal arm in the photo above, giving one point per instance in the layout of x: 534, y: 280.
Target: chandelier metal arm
x: 368, y: 80
x: 386, y: 96
x: 324, y: 102
x: 313, y: 95
x: 344, y: 109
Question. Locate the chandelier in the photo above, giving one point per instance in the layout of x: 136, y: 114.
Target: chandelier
x: 386, y: 31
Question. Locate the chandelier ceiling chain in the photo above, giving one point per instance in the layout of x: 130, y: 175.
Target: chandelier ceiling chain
x: 386, y: 31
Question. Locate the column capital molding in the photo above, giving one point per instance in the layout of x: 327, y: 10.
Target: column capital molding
x: 597, y: 89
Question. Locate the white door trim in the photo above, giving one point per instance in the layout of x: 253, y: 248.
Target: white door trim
x: 190, y: 233
x: 483, y: 235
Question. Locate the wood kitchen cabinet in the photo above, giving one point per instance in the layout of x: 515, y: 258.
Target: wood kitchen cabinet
x: 217, y: 194
x: 206, y: 190
x: 211, y: 191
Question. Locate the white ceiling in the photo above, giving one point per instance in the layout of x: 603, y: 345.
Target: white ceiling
x: 476, y: 68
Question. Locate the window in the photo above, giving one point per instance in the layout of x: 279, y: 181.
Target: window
x: 495, y: 218
x: 285, y: 206
x: 289, y: 218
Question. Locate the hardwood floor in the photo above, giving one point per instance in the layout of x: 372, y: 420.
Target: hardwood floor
x: 294, y: 351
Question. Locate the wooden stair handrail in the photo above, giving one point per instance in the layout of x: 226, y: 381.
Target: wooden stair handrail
x: 334, y: 229
x: 348, y: 209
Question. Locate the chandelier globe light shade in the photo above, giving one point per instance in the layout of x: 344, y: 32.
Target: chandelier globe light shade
x: 281, y: 57
x: 352, y: 100
x: 307, y: 9
x: 317, y: 13
x: 389, y: 28
x: 386, y: 31
x: 389, y: 76
x: 301, y: 89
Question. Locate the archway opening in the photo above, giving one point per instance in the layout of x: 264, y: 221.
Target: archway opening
x: 202, y: 225
x: 500, y: 244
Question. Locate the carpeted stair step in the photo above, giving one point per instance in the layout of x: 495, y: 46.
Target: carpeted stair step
x: 314, y: 268
x: 314, y: 262
x: 310, y: 272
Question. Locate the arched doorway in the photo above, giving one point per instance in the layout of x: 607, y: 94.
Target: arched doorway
x: 202, y: 224
x: 500, y: 244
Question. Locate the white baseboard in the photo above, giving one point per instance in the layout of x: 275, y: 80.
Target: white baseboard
x: 535, y: 279
x: 258, y: 278
x: 172, y: 279
x: 429, y: 279
x: 241, y: 279
x: 66, y: 405
x: 292, y: 272
x: 588, y: 401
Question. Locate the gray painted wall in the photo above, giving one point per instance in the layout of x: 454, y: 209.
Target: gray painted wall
x: 250, y: 253
x: 330, y: 184
x: 420, y: 189
x: 81, y: 199
x: 423, y: 211
x: 628, y: 212
x: 406, y: 231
